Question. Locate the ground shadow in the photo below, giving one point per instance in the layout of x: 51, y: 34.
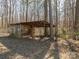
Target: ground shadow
x: 28, y: 48
x: 56, y: 51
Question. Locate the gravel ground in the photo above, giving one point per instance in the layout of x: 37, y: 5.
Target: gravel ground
x: 32, y: 49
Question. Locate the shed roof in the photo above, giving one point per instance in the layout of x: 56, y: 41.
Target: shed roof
x: 34, y: 24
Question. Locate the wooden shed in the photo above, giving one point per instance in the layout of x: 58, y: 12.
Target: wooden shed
x: 34, y: 28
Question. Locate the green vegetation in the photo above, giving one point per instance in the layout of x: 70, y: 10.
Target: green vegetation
x: 76, y: 33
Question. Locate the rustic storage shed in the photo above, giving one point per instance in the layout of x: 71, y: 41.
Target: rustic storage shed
x: 33, y: 28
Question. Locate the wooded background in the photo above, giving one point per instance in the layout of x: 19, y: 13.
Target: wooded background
x: 61, y: 13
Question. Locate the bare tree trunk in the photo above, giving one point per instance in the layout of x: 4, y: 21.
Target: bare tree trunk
x: 34, y: 10
x: 56, y: 28
x: 51, y: 20
x: 2, y: 20
x: 27, y: 11
x: 6, y: 15
x: 45, y: 14
x: 76, y: 25
x: 37, y: 11
x: 10, y: 12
